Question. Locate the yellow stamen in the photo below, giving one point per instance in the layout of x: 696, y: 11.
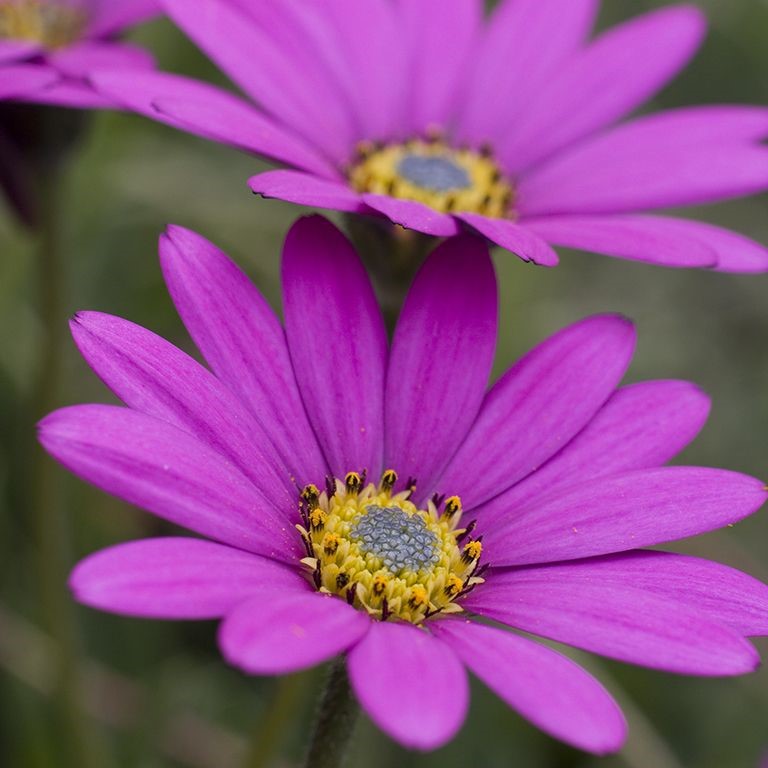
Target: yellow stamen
x: 52, y: 24
x: 452, y: 506
x: 472, y: 551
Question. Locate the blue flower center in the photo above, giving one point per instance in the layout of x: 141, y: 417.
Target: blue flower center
x: 401, y: 541
x: 436, y: 173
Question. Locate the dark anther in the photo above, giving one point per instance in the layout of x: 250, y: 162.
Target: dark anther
x: 388, y: 479
x: 410, y: 486
x: 437, y: 499
x: 481, y: 570
x: 317, y: 578
x: 330, y: 485
x: 471, y: 527
x: 384, y: 609
x: 342, y: 580
x: 452, y: 506
x: 486, y: 150
x: 310, y: 496
x: 363, y: 478
x: 353, y: 482
x: 351, y: 595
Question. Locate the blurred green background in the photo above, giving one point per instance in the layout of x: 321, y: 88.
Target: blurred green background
x: 153, y: 694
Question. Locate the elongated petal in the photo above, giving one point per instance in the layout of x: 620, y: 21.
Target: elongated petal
x: 413, y: 215
x: 178, y: 578
x: 243, y: 342
x: 539, y: 405
x: 637, y: 238
x: 156, y: 466
x: 115, y: 15
x: 307, y: 189
x: 25, y: 79
x: 522, y: 241
x: 152, y: 376
x: 410, y: 683
x: 440, y: 43
x: 659, y: 161
x: 614, y: 619
x: 525, y: 42
x: 141, y: 91
x: 69, y: 93
x: 621, y: 70
x: 545, y: 687
x: 81, y: 59
x: 266, y: 71
x: 12, y: 51
x: 337, y: 342
x: 287, y: 632
x: 441, y: 359
x: 626, y: 511
x: 643, y: 425
x: 723, y: 594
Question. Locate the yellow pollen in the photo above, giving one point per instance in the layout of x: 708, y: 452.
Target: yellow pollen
x: 52, y: 24
x: 378, y: 551
x: 447, y: 179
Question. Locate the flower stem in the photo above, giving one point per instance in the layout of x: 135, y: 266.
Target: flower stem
x: 335, y: 722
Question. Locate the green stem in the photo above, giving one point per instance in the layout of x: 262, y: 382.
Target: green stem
x: 46, y: 496
x: 335, y: 723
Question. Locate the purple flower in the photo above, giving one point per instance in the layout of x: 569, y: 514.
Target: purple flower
x: 372, y: 501
x: 48, y: 46
x: 428, y: 115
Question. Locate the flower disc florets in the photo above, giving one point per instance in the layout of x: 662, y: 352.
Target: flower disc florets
x: 381, y: 553
x: 431, y: 172
x: 52, y: 24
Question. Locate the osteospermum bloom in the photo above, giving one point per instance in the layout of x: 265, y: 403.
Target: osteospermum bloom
x: 423, y: 112
x: 48, y: 46
x: 373, y: 501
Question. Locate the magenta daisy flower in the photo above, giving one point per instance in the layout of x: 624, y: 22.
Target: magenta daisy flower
x: 374, y: 501
x: 428, y: 115
x: 48, y: 46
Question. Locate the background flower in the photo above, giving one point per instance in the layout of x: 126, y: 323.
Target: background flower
x: 429, y: 115
x: 558, y: 468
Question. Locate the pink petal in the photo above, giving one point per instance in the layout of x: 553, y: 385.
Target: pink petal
x: 614, y: 618
x: 12, y: 51
x: 177, y: 578
x: 410, y: 683
x: 156, y: 466
x: 641, y: 426
x: 413, y: 215
x: 115, y: 15
x: 81, y: 59
x: 441, y: 359
x: 663, y: 160
x: 621, y: 512
x: 69, y: 93
x: 307, y: 189
x: 522, y: 241
x: 243, y: 342
x: 620, y: 71
x: 638, y: 238
x: 25, y: 80
x: 150, y: 375
x: 545, y: 687
x: 289, y: 631
x: 338, y: 344
x: 526, y: 40
x: 538, y: 406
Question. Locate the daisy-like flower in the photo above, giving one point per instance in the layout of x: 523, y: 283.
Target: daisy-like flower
x: 374, y: 501
x: 48, y: 46
x: 423, y: 112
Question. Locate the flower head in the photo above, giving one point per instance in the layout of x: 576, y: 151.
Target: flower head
x: 47, y: 47
x: 440, y: 120
x: 373, y: 500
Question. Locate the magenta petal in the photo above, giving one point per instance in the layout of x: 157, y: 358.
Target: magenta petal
x: 81, y: 59
x: 156, y: 466
x: 112, y: 16
x: 289, y: 631
x: 150, y: 375
x: 177, y: 578
x: 638, y: 238
x: 538, y: 406
x: 338, y: 344
x: 411, y: 684
x: 25, y: 80
x: 74, y: 94
x: 544, y: 686
x: 526, y: 41
x: 626, y: 511
x: 413, y: 215
x: 663, y: 160
x: 307, y: 189
x: 441, y: 359
x: 615, y: 74
x: 643, y: 425
x: 17, y: 50
x: 516, y: 238
x: 242, y: 340
x: 613, y: 617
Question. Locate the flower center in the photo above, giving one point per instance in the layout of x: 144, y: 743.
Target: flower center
x: 376, y: 549
x: 430, y: 172
x: 52, y: 24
